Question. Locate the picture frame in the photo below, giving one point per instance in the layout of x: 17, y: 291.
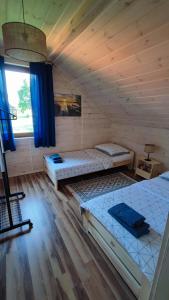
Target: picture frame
x: 67, y: 105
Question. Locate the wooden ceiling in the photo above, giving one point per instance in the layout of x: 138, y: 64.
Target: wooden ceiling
x: 117, y: 50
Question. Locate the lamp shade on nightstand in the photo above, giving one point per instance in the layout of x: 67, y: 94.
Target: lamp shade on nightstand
x: 149, y: 148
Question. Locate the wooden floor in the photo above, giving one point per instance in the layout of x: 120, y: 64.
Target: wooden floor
x: 56, y: 260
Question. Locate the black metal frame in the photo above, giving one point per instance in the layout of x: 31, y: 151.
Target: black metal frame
x: 5, y: 201
x: 19, y: 195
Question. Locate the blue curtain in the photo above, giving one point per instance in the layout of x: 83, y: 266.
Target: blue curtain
x: 7, y: 134
x: 42, y: 97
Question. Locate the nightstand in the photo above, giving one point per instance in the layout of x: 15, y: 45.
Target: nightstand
x: 147, y: 169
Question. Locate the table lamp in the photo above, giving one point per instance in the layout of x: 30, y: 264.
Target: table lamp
x: 149, y: 148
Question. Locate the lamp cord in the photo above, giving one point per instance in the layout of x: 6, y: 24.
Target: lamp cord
x: 23, y: 11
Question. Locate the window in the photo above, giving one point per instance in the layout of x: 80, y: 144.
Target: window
x: 18, y: 89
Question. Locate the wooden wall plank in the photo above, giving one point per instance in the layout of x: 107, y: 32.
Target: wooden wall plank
x: 114, y: 53
x: 135, y: 137
x: 72, y: 133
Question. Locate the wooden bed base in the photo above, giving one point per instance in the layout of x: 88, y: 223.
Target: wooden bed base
x: 51, y: 175
x: 127, y: 268
x: 136, y: 280
x: 69, y: 200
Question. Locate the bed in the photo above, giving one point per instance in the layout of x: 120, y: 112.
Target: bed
x: 135, y: 259
x: 82, y: 162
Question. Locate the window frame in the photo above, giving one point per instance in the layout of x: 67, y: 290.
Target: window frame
x: 17, y: 68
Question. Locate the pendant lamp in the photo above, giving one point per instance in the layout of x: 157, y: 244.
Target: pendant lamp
x: 23, y: 41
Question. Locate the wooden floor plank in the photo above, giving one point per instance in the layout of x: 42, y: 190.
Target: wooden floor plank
x: 57, y: 259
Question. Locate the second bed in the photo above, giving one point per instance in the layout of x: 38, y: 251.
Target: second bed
x: 135, y: 259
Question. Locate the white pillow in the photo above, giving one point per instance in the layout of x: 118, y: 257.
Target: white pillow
x: 112, y: 149
x: 165, y: 175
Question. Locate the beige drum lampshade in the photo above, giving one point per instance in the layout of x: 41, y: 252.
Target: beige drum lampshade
x: 149, y: 148
x: 24, y: 42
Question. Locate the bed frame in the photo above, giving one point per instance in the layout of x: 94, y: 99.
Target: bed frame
x: 128, y: 269
x: 50, y: 174
x: 128, y: 163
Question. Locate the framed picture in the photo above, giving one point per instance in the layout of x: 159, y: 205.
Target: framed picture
x: 67, y: 105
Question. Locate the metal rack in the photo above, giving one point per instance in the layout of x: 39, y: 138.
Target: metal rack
x: 10, y: 211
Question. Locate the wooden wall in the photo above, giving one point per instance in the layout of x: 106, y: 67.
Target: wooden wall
x: 116, y: 50
x: 116, y: 54
x: 135, y: 137
x: 121, y: 60
x: 72, y: 133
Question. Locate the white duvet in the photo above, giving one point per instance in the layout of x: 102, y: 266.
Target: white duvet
x: 151, y: 199
x: 77, y: 163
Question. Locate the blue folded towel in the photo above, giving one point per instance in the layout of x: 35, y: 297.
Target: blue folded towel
x: 127, y: 215
x: 56, y: 158
x: 129, y: 219
x: 137, y: 231
x: 58, y: 161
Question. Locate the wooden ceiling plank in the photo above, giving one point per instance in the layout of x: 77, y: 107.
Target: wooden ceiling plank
x: 142, y: 78
x: 159, y: 83
x: 149, y: 40
x: 147, y: 44
x: 87, y: 12
x: 53, y: 15
x: 130, y: 15
x: 13, y: 11
x: 141, y: 122
x: 9, y: 11
x: 130, y: 68
x: 130, y: 99
x: 98, y: 24
x: 127, y: 93
x: 130, y: 96
x: 118, y: 57
x: 156, y: 92
x: 134, y: 65
x: 147, y: 76
x: 35, y: 11
x: 64, y: 18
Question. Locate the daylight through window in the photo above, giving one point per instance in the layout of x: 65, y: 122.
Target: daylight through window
x: 18, y: 89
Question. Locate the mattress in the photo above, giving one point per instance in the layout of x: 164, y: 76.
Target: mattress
x: 158, y: 186
x: 150, y: 198
x: 107, y: 160
x: 81, y: 162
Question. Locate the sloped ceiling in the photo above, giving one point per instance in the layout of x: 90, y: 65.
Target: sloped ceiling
x: 117, y: 50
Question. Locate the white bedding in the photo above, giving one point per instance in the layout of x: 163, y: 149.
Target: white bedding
x: 77, y: 163
x: 150, y: 198
x: 157, y: 186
